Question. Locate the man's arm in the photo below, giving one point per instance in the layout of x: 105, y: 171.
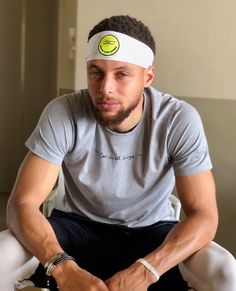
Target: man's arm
x: 34, y: 182
x: 197, y: 196
x: 198, y: 227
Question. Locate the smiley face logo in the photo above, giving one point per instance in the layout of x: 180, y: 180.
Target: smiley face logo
x: 108, y: 45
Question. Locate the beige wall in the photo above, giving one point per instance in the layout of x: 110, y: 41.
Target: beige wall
x: 219, y: 119
x: 196, y: 43
x: 66, y: 57
x: 10, y: 87
x: 28, y: 62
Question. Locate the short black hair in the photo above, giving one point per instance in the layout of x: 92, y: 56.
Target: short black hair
x: 127, y: 25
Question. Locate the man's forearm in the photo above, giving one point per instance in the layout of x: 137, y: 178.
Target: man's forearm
x: 197, y: 196
x: 33, y: 231
x: 37, y: 235
x: 183, y: 240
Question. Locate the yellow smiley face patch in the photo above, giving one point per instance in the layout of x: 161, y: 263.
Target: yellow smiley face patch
x: 108, y: 45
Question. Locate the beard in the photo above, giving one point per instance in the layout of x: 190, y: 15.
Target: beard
x: 117, y: 119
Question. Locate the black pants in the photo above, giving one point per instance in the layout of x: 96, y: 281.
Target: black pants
x: 104, y: 249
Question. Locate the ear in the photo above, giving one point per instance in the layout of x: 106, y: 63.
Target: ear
x: 149, y: 76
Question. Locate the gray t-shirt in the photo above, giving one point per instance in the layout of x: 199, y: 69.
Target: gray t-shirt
x: 122, y: 178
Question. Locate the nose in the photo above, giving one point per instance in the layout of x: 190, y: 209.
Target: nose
x: 107, y: 85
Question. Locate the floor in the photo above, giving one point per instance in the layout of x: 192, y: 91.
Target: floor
x: 3, y: 203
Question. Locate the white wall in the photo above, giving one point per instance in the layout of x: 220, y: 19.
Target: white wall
x: 196, y: 42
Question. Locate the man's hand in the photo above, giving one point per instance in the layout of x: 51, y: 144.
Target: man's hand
x: 135, y: 278
x: 69, y: 276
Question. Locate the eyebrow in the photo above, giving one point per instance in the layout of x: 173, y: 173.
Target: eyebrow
x: 123, y: 68
x: 93, y: 66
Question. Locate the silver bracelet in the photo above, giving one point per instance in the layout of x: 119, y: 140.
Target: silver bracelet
x: 52, y: 259
x: 51, y: 264
x: 150, y: 268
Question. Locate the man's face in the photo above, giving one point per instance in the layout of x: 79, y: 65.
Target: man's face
x: 116, y: 90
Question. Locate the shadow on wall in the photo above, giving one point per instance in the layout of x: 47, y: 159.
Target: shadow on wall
x: 219, y: 119
x: 28, y: 77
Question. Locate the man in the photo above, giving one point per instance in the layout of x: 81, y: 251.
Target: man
x: 123, y: 146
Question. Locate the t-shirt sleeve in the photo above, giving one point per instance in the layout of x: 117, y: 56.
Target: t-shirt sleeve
x: 187, y: 144
x: 53, y: 136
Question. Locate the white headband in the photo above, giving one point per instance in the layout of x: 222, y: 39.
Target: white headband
x: 113, y: 45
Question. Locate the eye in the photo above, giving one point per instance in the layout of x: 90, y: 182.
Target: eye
x: 95, y: 74
x: 121, y: 75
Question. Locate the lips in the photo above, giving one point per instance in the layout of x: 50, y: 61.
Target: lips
x: 107, y: 105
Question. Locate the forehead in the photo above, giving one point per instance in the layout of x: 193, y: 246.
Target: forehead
x: 107, y: 65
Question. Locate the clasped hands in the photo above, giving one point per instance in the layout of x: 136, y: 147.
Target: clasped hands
x: 134, y: 278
